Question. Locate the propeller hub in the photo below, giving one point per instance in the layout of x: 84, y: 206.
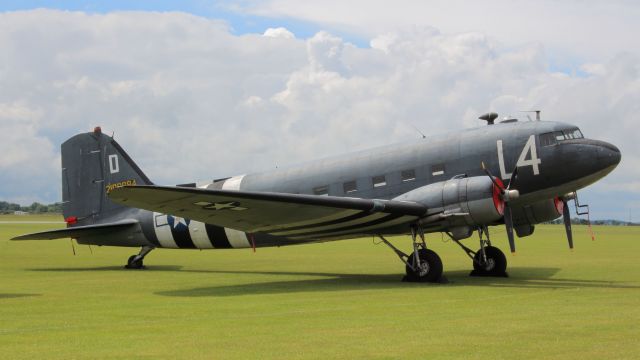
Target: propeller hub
x: 510, y: 195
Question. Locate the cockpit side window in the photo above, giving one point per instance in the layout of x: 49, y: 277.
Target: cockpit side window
x: 548, y: 139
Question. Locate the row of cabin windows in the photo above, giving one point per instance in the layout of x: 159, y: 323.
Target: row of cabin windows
x: 379, y: 181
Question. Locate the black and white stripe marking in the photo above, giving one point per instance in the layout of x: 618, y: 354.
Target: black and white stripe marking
x: 179, y: 233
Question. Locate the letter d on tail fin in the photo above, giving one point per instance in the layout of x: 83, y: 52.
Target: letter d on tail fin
x: 92, y: 165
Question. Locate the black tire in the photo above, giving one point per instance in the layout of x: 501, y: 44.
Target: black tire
x: 496, y: 262
x: 432, y: 268
x: 133, y: 264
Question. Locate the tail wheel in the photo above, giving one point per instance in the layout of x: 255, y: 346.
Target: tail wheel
x: 430, y: 269
x: 132, y: 263
x: 496, y: 264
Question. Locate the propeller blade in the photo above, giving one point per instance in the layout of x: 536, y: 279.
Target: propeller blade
x: 493, y: 179
x: 508, y: 222
x: 566, y: 216
x: 514, y: 177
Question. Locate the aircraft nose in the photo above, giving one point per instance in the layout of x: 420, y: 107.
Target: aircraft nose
x: 608, y: 154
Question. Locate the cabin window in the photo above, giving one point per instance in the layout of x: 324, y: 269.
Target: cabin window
x: 437, y: 170
x: 349, y: 187
x: 548, y: 139
x: 379, y: 181
x: 321, y: 190
x: 408, y: 175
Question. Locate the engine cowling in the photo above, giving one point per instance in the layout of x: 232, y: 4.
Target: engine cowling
x: 459, y: 204
x: 525, y: 217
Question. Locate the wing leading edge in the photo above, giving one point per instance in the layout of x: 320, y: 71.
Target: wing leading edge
x: 290, y: 215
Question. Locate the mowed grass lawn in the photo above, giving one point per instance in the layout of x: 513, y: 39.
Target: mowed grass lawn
x: 335, y: 300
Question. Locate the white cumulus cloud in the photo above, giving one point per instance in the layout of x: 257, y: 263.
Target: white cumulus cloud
x: 279, y: 32
x: 190, y: 101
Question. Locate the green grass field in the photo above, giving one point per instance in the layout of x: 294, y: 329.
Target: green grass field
x: 324, y: 301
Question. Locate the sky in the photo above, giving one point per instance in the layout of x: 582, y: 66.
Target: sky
x: 197, y: 90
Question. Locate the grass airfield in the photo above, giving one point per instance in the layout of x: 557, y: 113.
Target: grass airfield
x: 324, y: 301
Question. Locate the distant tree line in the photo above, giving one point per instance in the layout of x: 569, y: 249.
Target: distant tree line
x: 35, y: 208
x: 579, y: 221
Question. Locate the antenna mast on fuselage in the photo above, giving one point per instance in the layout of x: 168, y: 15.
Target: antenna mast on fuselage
x: 535, y: 111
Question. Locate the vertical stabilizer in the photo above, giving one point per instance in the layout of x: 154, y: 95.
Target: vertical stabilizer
x: 92, y: 165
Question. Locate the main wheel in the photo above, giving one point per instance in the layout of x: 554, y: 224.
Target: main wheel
x: 496, y: 264
x: 132, y: 263
x: 430, y: 267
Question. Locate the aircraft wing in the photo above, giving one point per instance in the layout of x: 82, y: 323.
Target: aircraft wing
x: 274, y: 213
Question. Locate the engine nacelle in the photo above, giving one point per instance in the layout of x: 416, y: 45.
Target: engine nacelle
x: 541, y: 211
x: 525, y: 217
x: 459, y: 204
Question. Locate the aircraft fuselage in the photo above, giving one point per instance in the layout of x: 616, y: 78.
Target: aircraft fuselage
x: 553, y: 159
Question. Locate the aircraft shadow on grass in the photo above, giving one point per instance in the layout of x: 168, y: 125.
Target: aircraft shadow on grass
x: 521, y: 278
x: 533, y: 278
x: 109, y: 268
x: 13, y: 296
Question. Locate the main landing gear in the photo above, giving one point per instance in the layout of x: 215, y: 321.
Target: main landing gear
x: 423, y: 265
x: 488, y: 260
x: 135, y: 261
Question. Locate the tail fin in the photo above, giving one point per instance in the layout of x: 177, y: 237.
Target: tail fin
x: 92, y: 165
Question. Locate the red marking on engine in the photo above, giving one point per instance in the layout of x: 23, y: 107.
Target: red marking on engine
x: 559, y: 205
x: 71, y: 220
x: 498, y: 202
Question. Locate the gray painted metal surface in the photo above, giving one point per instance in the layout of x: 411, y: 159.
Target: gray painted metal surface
x: 337, y: 197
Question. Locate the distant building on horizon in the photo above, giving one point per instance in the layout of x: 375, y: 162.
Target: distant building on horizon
x: 18, y: 212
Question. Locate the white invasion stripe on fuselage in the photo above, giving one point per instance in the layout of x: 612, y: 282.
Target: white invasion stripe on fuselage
x: 163, y: 231
x: 237, y: 239
x: 198, y: 231
x: 199, y: 236
x: 233, y: 183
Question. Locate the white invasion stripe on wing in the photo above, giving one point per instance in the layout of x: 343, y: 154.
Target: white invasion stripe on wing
x: 237, y: 239
x: 232, y: 183
x: 359, y: 230
x: 199, y: 236
x: 283, y: 227
x: 337, y: 225
x: 163, y: 231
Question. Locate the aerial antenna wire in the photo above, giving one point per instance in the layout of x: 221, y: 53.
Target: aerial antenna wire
x: 418, y: 130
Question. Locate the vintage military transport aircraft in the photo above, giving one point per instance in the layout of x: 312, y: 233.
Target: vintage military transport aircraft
x: 516, y: 173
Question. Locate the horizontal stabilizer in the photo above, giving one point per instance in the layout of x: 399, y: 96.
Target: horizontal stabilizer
x: 78, y: 231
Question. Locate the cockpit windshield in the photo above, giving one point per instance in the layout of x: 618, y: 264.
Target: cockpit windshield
x: 572, y: 134
x: 553, y: 138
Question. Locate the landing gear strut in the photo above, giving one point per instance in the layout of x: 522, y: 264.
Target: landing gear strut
x: 488, y: 260
x: 136, y: 261
x: 423, y: 265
